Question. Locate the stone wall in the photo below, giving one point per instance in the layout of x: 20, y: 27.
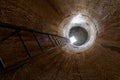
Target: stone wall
x: 35, y: 14
x: 100, y: 62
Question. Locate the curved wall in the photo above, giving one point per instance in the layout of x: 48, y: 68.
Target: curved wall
x: 100, y: 62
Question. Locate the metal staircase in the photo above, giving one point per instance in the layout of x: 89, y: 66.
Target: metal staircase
x: 12, y: 33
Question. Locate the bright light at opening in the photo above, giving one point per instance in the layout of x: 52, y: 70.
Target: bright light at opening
x: 72, y: 40
x: 78, y: 19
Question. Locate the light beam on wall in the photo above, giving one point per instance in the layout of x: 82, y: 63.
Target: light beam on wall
x: 78, y: 19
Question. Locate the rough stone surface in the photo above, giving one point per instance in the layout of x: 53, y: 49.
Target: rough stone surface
x: 100, y: 62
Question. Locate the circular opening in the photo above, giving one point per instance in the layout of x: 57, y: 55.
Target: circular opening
x: 78, y: 35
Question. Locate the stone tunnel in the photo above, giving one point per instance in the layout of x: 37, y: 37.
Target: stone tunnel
x: 92, y: 26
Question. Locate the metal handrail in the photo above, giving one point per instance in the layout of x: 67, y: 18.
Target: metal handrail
x: 23, y: 28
